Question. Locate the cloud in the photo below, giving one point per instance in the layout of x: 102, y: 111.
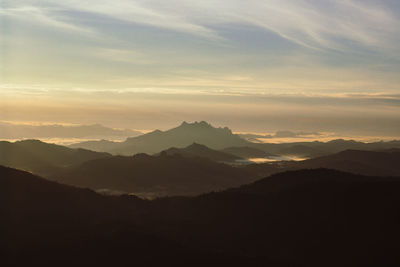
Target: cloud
x: 137, y: 12
x: 122, y: 55
x: 226, y: 47
x: 329, y: 24
x: 45, y: 17
x: 300, y: 113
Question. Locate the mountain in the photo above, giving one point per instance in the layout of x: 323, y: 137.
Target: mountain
x: 20, y: 131
x: 198, y: 150
x: 155, y: 175
x: 302, y: 218
x: 222, y: 138
x: 44, y: 223
x: 247, y: 152
x: 382, y: 163
x: 179, y: 137
x: 42, y: 158
x: 317, y: 149
x: 379, y: 163
x: 98, y: 146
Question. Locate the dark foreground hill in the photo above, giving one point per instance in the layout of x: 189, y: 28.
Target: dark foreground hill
x: 307, y: 218
x: 302, y: 218
x: 379, y: 163
x: 48, y: 224
x: 179, y: 137
x: 43, y: 158
x: 155, y: 175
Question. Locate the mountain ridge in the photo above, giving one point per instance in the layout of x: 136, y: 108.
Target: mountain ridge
x: 43, y: 158
x: 299, y: 218
x: 180, y: 136
x: 199, y: 150
x: 159, y: 175
x: 364, y: 162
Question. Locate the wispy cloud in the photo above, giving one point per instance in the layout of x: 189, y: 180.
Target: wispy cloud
x: 138, y: 12
x: 228, y: 46
x: 328, y: 24
x: 44, y: 17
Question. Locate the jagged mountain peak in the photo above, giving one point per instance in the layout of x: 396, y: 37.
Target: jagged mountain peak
x: 202, y: 125
x: 196, y: 124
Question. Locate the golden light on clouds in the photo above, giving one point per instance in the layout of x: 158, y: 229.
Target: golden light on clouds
x: 255, y: 65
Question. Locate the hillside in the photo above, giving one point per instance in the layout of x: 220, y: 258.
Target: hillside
x: 98, y: 146
x: 198, y: 150
x: 318, y: 149
x: 302, y: 218
x: 155, y: 175
x: 43, y: 158
x: 379, y: 163
x: 49, y: 224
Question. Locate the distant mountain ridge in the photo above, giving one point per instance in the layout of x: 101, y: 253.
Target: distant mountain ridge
x: 179, y: 137
x: 378, y: 163
x: 43, y: 158
x: 317, y: 148
x: 162, y: 175
x: 198, y: 150
x: 223, y: 138
x: 23, y: 131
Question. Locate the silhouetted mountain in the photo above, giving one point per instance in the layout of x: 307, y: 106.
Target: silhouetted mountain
x: 179, y: 137
x: 20, y: 131
x: 42, y: 158
x: 99, y: 146
x: 48, y: 224
x: 247, y: 152
x: 383, y: 163
x: 155, y: 175
x: 317, y: 149
x: 379, y: 163
x: 302, y: 218
x: 198, y: 150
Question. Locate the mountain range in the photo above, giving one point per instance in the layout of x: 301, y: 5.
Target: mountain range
x: 24, y: 131
x: 302, y: 218
x: 179, y: 137
x: 43, y: 158
x: 379, y: 163
x: 152, y: 176
x: 193, y: 170
x: 198, y: 150
x: 317, y: 149
x: 223, y: 139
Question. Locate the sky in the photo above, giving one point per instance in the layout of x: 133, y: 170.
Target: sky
x: 254, y: 65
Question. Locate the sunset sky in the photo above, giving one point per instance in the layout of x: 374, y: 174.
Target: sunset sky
x: 254, y: 65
